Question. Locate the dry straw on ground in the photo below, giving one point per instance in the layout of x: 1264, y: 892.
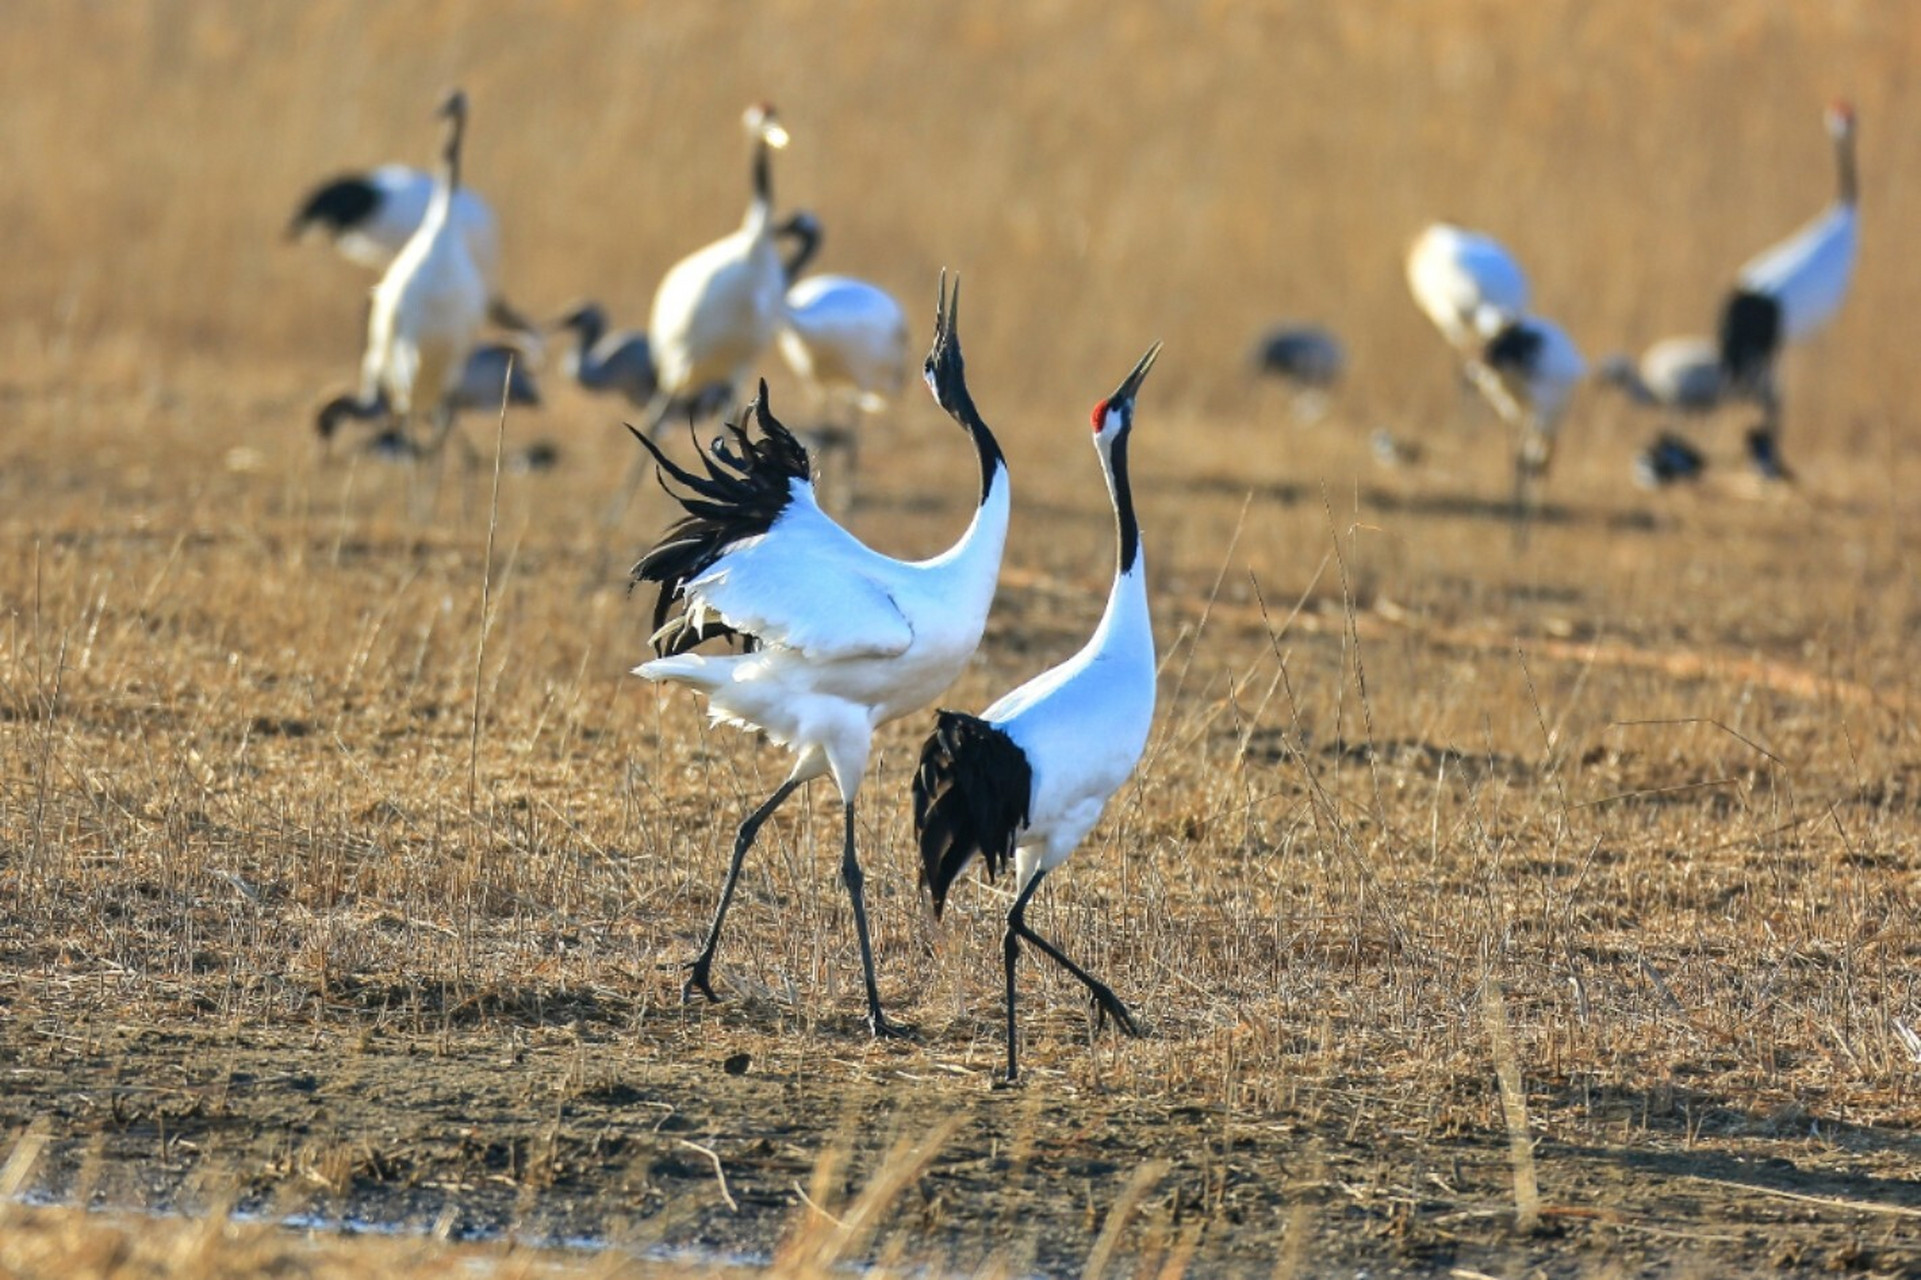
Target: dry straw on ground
x: 342, y: 864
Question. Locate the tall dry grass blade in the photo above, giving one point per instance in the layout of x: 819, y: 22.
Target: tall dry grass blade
x: 21, y: 1161
x: 1507, y: 1069
x: 824, y: 1241
x: 1139, y: 1183
x: 486, y: 594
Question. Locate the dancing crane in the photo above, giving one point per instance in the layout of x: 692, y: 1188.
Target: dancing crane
x: 1026, y: 779
x: 839, y: 639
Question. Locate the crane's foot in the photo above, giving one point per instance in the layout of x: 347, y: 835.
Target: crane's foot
x: 1764, y: 451
x: 1107, y: 1004
x: 699, y: 978
x: 885, y: 1028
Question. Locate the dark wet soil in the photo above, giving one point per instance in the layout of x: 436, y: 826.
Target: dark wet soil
x: 709, y: 1130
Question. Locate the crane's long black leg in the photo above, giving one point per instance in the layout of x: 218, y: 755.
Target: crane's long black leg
x: 1104, y: 998
x: 856, y: 881
x: 1010, y: 952
x: 1764, y: 441
x: 700, y: 968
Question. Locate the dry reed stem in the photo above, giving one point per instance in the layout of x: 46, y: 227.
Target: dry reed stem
x: 1520, y: 1138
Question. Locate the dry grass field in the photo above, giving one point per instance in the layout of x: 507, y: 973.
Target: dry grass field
x: 345, y: 875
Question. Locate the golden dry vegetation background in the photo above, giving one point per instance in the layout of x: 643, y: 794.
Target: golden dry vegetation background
x: 295, y: 788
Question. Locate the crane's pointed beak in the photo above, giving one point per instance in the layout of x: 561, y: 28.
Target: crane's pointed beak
x: 1124, y: 394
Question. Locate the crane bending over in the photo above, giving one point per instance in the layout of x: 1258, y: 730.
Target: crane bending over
x: 1528, y: 369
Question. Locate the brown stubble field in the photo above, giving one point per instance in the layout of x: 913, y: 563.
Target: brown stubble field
x: 344, y: 872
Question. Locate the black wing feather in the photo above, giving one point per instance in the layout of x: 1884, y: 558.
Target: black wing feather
x: 971, y: 796
x: 1750, y: 335
x: 1514, y: 349
x: 746, y: 487
x: 339, y: 206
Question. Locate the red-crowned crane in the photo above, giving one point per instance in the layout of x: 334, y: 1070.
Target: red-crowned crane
x: 715, y: 311
x: 1787, y: 293
x: 844, y: 338
x: 839, y: 639
x: 428, y: 307
x: 604, y: 360
x: 1528, y: 369
x: 370, y: 217
x: 1026, y: 780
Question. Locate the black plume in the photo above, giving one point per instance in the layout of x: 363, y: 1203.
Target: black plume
x: 971, y: 795
x: 748, y: 483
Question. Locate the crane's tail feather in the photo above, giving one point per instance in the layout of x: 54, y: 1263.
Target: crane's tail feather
x: 971, y: 796
x: 746, y: 486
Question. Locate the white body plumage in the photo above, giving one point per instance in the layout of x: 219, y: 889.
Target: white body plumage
x: 388, y: 207
x: 843, y: 335
x: 431, y: 302
x: 850, y: 639
x: 1082, y: 727
x: 1465, y: 282
x: 1809, y: 272
x: 716, y: 310
x: 1681, y: 373
x: 1529, y: 372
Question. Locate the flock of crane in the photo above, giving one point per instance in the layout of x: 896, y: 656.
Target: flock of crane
x: 824, y: 639
x: 1477, y: 295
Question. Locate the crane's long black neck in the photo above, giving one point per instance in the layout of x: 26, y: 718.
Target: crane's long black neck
x: 806, y: 236
x: 763, y: 174
x: 1844, y: 162
x: 1123, y: 492
x: 591, y: 326
x: 450, y: 155
x: 992, y: 461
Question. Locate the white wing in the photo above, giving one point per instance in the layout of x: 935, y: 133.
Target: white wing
x: 1808, y: 273
x: 807, y: 584
x: 404, y: 195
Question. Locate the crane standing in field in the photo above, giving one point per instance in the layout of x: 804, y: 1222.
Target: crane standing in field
x: 371, y: 216
x: 1027, y: 779
x: 716, y: 310
x: 1787, y: 293
x: 606, y: 360
x: 838, y: 638
x: 844, y: 338
x: 428, y: 307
